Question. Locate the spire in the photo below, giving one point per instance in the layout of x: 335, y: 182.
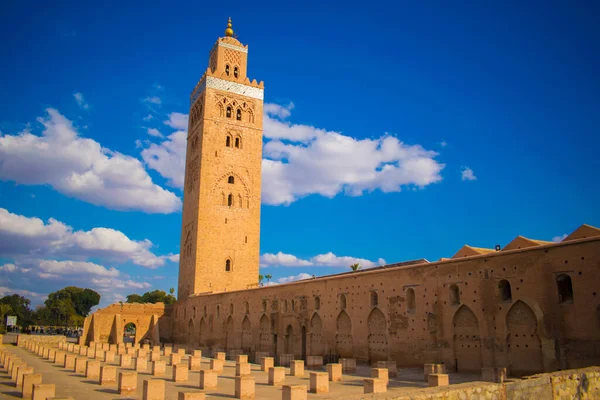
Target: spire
x: 229, y: 31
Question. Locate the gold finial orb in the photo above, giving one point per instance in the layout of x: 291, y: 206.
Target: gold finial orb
x: 229, y: 31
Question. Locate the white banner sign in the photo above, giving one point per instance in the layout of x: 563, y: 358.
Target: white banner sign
x: 11, y: 320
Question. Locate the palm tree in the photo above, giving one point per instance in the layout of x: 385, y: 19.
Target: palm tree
x: 260, y: 279
x: 172, y: 290
x: 268, y: 277
x: 355, y: 267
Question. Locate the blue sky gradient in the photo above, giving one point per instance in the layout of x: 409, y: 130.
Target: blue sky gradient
x: 509, y: 91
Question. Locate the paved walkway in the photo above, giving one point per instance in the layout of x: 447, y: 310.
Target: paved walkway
x: 70, y: 384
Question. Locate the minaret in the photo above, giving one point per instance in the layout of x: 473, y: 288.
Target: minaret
x: 220, y: 232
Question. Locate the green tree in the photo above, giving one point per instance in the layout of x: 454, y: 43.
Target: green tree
x: 20, y: 309
x: 355, y: 267
x: 82, y: 300
x: 260, y: 279
x: 155, y: 296
x: 268, y: 277
x: 172, y: 291
x: 134, y: 298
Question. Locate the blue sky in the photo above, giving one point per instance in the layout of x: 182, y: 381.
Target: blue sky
x: 398, y: 131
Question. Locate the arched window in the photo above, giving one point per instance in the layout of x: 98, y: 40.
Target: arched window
x: 247, y: 307
x: 194, y: 312
x: 230, y: 200
x: 227, y: 69
x: 293, y: 305
x: 285, y: 306
x: 205, y: 311
x: 264, y: 306
x: 374, y: 299
x: 237, y: 142
x: 317, y: 303
x: 228, y: 265
x: 231, y: 179
x: 454, y: 295
x: 228, y: 142
x: 231, y: 308
x: 238, y: 115
x: 218, y: 311
x: 239, y: 201
x: 342, y: 302
x: 565, y: 288
x: 411, y: 306
x: 504, y: 290
x: 235, y: 71
x: 228, y: 113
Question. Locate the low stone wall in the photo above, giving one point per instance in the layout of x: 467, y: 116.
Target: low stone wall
x: 581, y: 384
x: 52, y: 339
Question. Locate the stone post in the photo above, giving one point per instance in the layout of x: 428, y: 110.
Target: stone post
x: 335, y: 372
x: 245, y: 387
x: 297, y: 368
x: 141, y: 364
x: 348, y: 365
x: 434, y: 380
x: 241, y: 358
x: 208, y: 379
x: 276, y: 376
x: 180, y: 373
x: 191, y: 396
x: 266, y: 363
x: 154, y: 389
x: 125, y: 361
x: 216, y: 365
x: 319, y: 382
x: 175, y: 359
x: 158, y: 368
x: 194, y: 363
x: 29, y: 380
x: 314, y: 362
x: 92, y: 369
x: 43, y: 391
x: 380, y: 373
x: 127, y: 383
x: 375, y: 385
x: 108, y: 375
x: 80, y: 364
x: 242, y: 369
x: 294, y: 392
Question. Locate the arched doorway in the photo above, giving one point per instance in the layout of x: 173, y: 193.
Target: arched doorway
x: 316, y: 336
x: 246, y: 335
x: 129, y: 333
x: 289, y: 340
x: 378, y: 348
x: 304, y: 342
x: 467, y: 342
x: 266, y: 335
x: 343, y: 335
x: 202, y: 332
x: 524, y: 345
x: 190, y: 330
x: 230, y: 337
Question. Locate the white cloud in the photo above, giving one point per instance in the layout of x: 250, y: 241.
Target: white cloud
x: 81, y: 168
x: 148, y: 117
x: 152, y: 100
x: 467, y: 174
x: 21, y: 236
x: 300, y: 160
x: 168, y: 158
x: 8, y: 267
x: 277, y: 110
x: 443, y: 143
x: 177, y: 121
x: 281, y: 259
x: 293, y: 278
x: 320, y: 260
x: 560, y: 238
x: 65, y: 268
x: 6, y: 291
x: 81, y: 101
x: 154, y: 132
